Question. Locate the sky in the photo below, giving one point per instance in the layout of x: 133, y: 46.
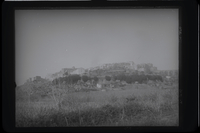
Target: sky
x: 48, y: 40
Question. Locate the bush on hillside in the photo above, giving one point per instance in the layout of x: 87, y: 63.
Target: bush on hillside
x: 75, y: 78
x: 95, y: 79
x: 71, y: 79
x: 108, y: 78
x: 129, y: 79
x: 85, y: 78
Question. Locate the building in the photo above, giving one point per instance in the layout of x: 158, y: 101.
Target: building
x: 148, y: 67
x: 37, y: 78
x: 141, y: 70
x: 67, y: 70
x: 79, y: 71
x: 153, y: 69
x: 29, y: 80
x: 99, y: 85
x: 169, y: 73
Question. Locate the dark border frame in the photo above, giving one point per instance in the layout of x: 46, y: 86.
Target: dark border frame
x: 188, y: 67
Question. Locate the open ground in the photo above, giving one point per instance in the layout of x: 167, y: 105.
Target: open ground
x: 132, y: 105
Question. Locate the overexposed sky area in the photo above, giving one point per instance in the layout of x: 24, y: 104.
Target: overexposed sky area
x: 48, y: 40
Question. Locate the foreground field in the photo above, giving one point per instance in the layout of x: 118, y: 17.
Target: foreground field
x: 131, y: 106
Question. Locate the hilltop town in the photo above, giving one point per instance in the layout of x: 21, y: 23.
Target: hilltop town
x: 112, y: 69
x: 112, y: 74
x: 127, y: 86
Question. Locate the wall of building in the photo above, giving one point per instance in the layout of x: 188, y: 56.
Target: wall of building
x: 78, y: 71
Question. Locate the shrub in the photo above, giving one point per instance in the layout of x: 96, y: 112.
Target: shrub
x: 72, y: 79
x: 121, y: 77
x: 134, y: 78
x: 55, y: 81
x: 114, y: 77
x: 160, y: 78
x: 113, y: 99
x: 85, y: 78
x: 108, y: 78
x: 129, y: 79
x: 21, y: 95
x: 95, y: 79
x: 75, y: 78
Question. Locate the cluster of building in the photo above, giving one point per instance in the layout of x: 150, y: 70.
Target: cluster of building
x: 36, y: 78
x: 67, y: 71
x: 113, y: 68
x: 168, y: 73
x: 146, y: 68
x: 127, y: 65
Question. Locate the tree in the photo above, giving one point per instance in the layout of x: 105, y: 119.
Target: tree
x: 150, y: 72
x: 57, y: 94
x: 153, y: 77
x: 75, y: 78
x: 136, y: 78
x: 45, y: 87
x: 85, y: 78
x: 133, y: 78
x: 114, y: 77
x: 136, y: 72
x: 95, y: 79
x: 142, y: 72
x: 66, y: 74
x: 68, y: 79
x: 29, y: 89
x: 128, y: 79
x: 121, y: 77
x: 147, y: 68
x: 143, y: 78
x: 38, y: 88
x: 159, y: 78
x: 108, y: 78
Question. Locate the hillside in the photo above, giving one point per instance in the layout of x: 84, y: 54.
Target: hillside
x: 112, y: 69
x: 102, y: 70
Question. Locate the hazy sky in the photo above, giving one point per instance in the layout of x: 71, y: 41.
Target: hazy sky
x: 49, y: 40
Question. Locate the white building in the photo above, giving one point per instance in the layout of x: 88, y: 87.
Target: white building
x: 78, y: 71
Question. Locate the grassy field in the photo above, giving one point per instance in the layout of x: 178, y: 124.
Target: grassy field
x: 131, y: 106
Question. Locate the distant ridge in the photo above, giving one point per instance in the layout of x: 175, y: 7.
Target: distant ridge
x: 107, y: 68
x: 130, y: 65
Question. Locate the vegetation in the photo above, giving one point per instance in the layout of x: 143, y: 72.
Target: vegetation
x: 95, y: 79
x: 139, y: 78
x: 132, y: 78
x: 85, y: 78
x: 147, y: 106
x: 71, y: 79
x: 108, y: 78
